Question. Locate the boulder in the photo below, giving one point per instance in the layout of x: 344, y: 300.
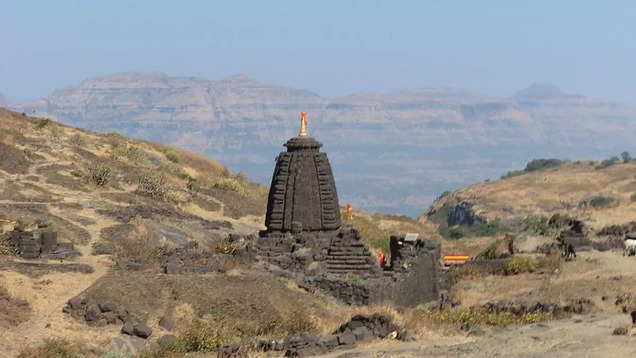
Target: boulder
x: 142, y: 330
x: 346, y: 338
x: 75, y: 303
x: 93, y: 313
x: 128, y: 329
x: 107, y: 306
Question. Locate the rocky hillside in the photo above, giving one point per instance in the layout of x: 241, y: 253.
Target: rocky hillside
x: 601, y: 194
x: 391, y: 152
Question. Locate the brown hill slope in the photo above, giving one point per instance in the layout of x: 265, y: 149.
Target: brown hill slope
x: 582, y: 189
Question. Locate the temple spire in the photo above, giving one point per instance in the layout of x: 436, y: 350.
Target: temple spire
x: 303, y: 124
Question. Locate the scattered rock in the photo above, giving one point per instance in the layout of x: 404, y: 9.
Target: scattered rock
x: 107, y: 306
x: 93, y: 313
x: 75, y: 303
x: 620, y: 331
x: 142, y: 330
x: 633, y: 314
x: 128, y: 329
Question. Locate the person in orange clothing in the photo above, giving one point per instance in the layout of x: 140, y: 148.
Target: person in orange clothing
x: 381, y: 259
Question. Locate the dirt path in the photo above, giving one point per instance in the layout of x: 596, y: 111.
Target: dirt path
x: 48, y: 294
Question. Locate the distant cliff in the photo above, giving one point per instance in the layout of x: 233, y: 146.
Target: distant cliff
x: 390, y: 152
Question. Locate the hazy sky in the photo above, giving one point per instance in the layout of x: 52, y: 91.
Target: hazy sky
x: 329, y: 47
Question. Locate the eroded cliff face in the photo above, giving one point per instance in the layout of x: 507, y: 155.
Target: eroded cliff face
x: 390, y: 152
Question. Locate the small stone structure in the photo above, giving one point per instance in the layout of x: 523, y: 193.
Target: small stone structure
x: 37, y: 240
x: 305, y: 239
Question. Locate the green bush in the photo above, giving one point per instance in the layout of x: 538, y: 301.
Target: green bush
x: 192, y: 185
x: 539, y: 164
x: 534, y: 165
x: 99, y: 174
x: 633, y: 197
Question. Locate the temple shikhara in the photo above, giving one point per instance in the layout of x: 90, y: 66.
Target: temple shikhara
x: 305, y: 237
x: 303, y: 194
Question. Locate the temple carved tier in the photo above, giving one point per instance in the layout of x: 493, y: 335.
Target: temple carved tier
x: 302, y: 195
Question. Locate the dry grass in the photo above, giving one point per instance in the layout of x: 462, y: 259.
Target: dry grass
x: 58, y: 348
x: 141, y: 245
x: 433, y: 319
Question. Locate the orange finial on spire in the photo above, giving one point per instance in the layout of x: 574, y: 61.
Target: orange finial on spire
x: 303, y: 124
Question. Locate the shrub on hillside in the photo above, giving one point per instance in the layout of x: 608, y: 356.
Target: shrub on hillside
x: 598, y: 201
x: 153, y: 185
x: 534, y: 165
x: 41, y: 123
x: 626, y: 157
x: 99, y: 174
x: 633, y: 197
x: 132, y: 153
x: 230, y: 184
x: 76, y: 140
x: 539, y: 164
x: 172, y: 156
x: 608, y: 163
x: 192, y: 185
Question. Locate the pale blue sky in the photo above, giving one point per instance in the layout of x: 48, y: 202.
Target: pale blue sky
x: 330, y: 47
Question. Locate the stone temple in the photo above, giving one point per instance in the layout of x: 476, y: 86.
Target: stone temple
x: 302, y: 195
x: 305, y: 237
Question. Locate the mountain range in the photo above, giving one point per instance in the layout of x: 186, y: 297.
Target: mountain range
x: 391, y: 152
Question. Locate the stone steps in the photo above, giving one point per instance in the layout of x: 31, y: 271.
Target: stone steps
x: 348, y: 262
x: 364, y: 267
x: 346, y: 257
